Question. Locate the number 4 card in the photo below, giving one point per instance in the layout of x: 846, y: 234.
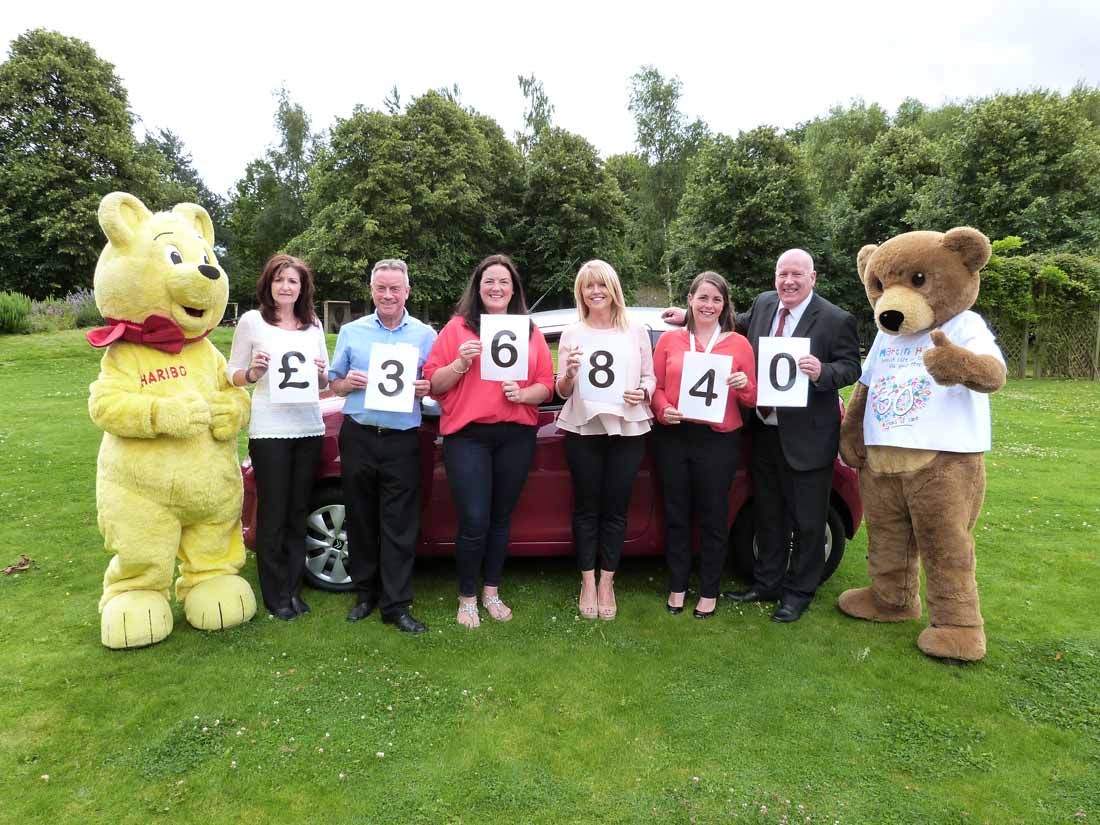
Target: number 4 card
x: 703, y: 388
x: 779, y: 381
x: 390, y: 376
x: 504, y: 340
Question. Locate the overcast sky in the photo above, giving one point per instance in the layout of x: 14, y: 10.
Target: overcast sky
x: 207, y: 70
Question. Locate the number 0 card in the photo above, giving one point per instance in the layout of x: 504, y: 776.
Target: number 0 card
x: 504, y: 340
x: 703, y: 388
x: 779, y: 381
x: 390, y: 377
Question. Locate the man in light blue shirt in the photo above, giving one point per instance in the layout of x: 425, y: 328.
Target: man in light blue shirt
x: 380, y: 455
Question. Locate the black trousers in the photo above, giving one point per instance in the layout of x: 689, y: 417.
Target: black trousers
x: 487, y: 465
x: 284, y: 469
x: 381, y: 479
x: 790, y: 508
x: 603, y: 468
x: 697, y: 466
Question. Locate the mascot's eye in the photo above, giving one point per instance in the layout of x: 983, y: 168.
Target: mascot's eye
x: 173, y: 254
x: 876, y: 284
x: 918, y: 279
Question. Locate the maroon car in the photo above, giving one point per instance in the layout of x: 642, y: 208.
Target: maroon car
x: 542, y: 520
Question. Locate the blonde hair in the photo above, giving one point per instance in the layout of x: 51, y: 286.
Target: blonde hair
x: 602, y: 273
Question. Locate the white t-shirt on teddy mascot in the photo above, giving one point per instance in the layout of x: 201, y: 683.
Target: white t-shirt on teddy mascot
x: 907, y: 408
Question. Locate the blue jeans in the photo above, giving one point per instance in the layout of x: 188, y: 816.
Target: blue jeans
x: 487, y: 465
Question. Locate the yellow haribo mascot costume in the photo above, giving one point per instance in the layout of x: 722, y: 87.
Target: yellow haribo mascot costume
x: 168, y: 483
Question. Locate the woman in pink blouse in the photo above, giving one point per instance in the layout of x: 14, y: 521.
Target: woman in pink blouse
x: 697, y: 461
x: 604, y: 438
x: 488, y: 430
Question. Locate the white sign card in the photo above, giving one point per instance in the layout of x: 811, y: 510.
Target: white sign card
x: 602, y: 376
x: 390, y: 376
x: 703, y: 388
x: 291, y: 373
x: 779, y: 381
x: 504, y: 340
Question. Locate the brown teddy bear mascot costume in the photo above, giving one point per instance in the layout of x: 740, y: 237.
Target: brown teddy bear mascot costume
x: 917, y: 427
x: 168, y: 484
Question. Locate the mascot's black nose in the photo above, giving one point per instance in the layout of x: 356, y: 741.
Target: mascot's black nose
x: 891, y: 319
x: 211, y: 272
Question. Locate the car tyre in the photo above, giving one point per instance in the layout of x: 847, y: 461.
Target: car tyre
x: 743, y: 547
x: 327, y: 541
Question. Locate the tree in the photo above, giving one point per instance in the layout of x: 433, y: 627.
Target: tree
x: 536, y: 115
x: 66, y: 140
x: 267, y: 207
x: 177, y: 179
x: 437, y: 185
x: 834, y: 145
x: 1024, y: 164
x: 667, y: 143
x: 746, y: 201
x: 573, y: 211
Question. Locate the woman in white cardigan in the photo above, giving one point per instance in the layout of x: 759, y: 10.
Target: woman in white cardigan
x: 605, y: 438
x: 284, y: 440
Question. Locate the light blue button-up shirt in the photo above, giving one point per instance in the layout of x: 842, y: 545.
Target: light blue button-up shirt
x: 353, y: 353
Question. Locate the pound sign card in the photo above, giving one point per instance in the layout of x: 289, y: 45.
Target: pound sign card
x: 504, y: 340
x: 780, y: 383
x: 602, y: 376
x: 291, y: 373
x: 703, y: 388
x: 390, y: 377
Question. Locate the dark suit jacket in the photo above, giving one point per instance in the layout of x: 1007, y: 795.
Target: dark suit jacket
x: 811, y: 435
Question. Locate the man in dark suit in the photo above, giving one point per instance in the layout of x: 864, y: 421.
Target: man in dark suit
x: 793, y: 448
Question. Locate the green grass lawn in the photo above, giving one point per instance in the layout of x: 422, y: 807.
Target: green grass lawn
x: 550, y: 719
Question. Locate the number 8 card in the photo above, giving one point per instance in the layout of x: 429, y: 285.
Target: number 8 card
x: 703, y: 388
x: 602, y: 376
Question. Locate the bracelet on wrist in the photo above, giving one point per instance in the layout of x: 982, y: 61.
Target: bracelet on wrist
x: 456, y: 369
x: 248, y: 376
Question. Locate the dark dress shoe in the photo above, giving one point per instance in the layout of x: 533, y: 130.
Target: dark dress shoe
x: 284, y: 613
x: 298, y: 606
x: 699, y: 614
x: 362, y: 610
x: 674, y: 610
x: 405, y: 622
x: 788, y: 613
x: 750, y: 595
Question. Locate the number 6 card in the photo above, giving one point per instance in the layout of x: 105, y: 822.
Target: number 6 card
x: 390, y: 376
x: 504, y: 340
x: 703, y: 388
x: 602, y: 376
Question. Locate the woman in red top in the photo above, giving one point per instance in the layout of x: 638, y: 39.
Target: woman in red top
x: 488, y: 430
x: 697, y: 461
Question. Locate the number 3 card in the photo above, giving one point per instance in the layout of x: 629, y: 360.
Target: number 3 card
x: 602, y: 376
x: 504, y: 340
x: 703, y: 388
x: 390, y: 376
x: 291, y: 373
x: 779, y: 381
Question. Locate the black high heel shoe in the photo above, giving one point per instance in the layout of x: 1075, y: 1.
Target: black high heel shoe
x: 672, y: 609
x: 699, y: 614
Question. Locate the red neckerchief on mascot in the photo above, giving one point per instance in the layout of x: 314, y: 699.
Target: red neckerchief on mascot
x: 156, y: 331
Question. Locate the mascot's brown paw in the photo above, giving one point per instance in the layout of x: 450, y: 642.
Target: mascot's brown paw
x: 220, y: 602
x: 953, y: 644
x: 862, y: 604
x: 136, y: 618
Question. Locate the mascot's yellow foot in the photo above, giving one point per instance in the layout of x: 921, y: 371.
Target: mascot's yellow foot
x: 959, y: 644
x: 862, y: 604
x: 135, y: 618
x: 220, y: 602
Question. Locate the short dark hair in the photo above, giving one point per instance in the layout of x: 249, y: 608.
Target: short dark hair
x: 725, y: 320
x: 470, y: 306
x: 303, y: 307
